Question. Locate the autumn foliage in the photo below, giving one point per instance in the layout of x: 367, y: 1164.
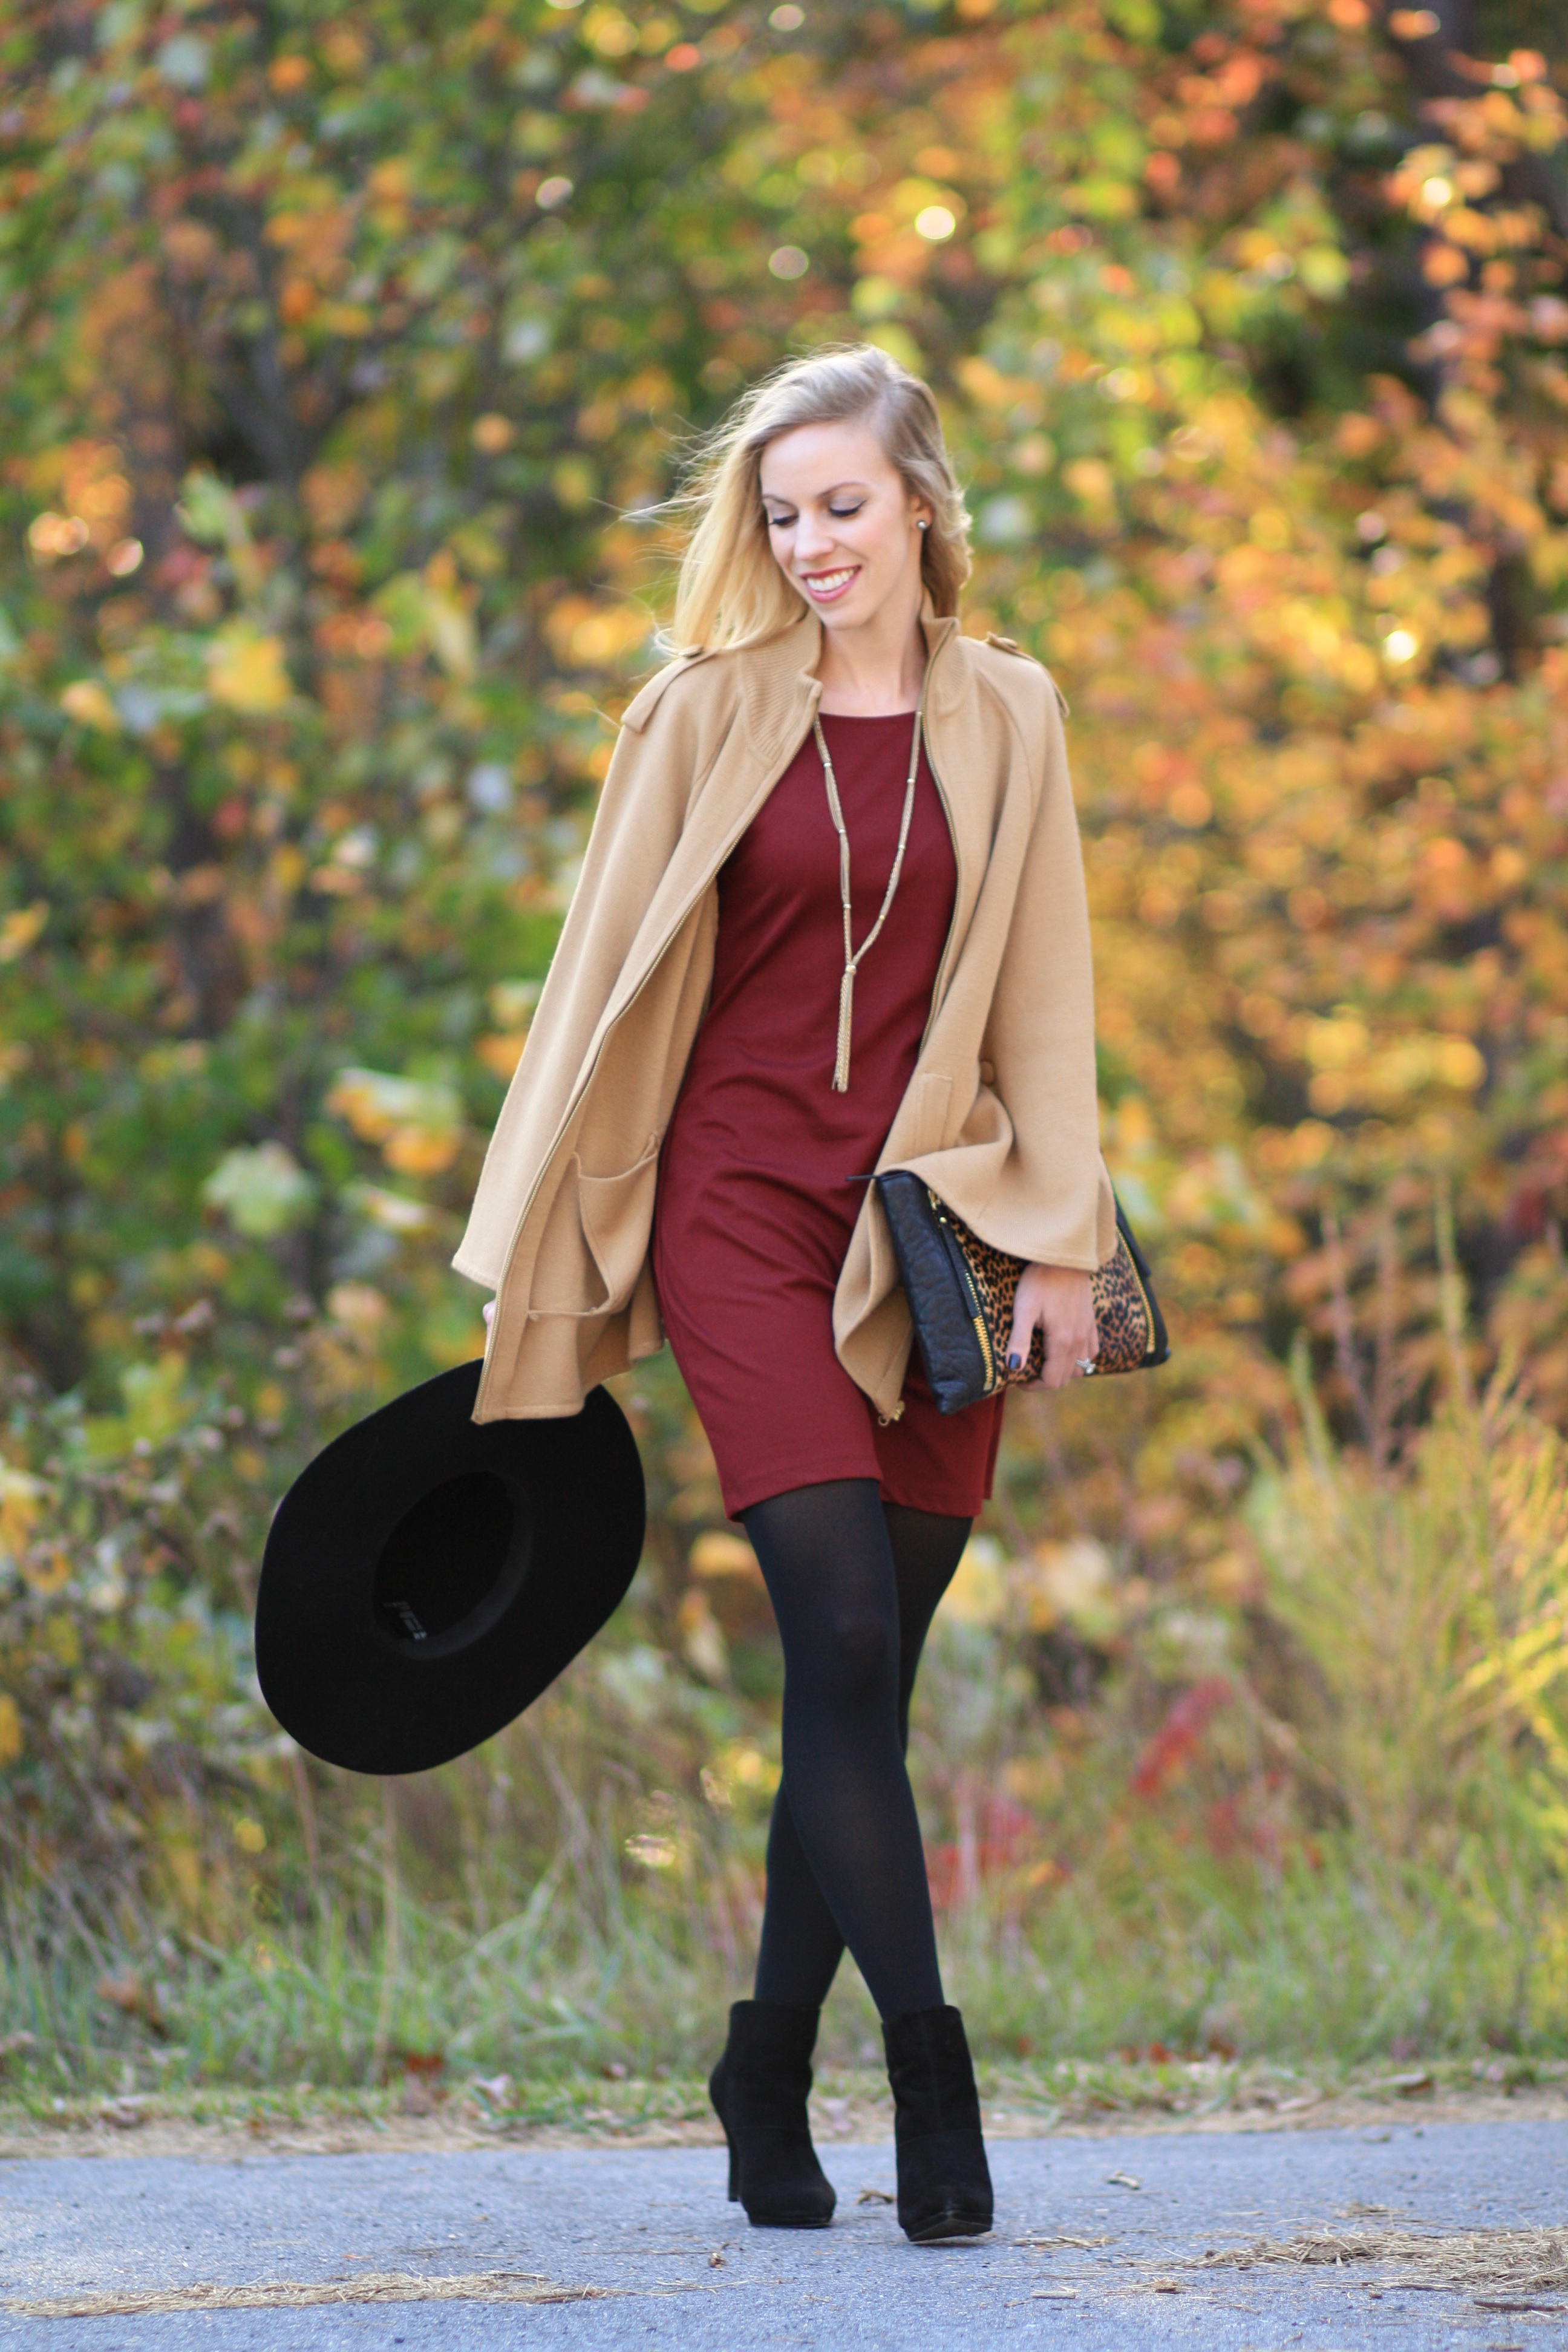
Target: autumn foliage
x: 347, y: 354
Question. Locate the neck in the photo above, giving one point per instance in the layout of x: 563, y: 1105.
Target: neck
x: 876, y: 670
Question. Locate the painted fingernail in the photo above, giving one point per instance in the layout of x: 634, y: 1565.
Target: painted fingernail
x: 1015, y: 1363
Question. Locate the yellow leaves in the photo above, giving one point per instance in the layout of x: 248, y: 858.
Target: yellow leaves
x: 741, y: 1767
x: 716, y: 1553
x: 511, y: 1003
x: 574, y: 483
x: 156, y: 1408
x: 1022, y: 400
x: 87, y: 701
x: 502, y: 1050
x: 915, y: 200
x: 389, y: 182
x: 477, y: 545
x: 393, y: 1211
x: 1354, y: 1070
x: 1071, y: 1583
x: 607, y: 30
x: 47, y: 1573
x: 346, y: 51
x: 249, y: 1835
x: 978, y: 1593
x: 246, y: 671
x: 428, y: 612
x: 21, y: 1496
x: 19, y: 928
x: 1339, y: 1043
x: 584, y: 634
x: 1093, y: 485
x: 361, y: 1316
x: 701, y: 1636
x: 10, y: 1731
x: 1323, y: 270
x: 984, y: 383
x: 418, y: 1123
x: 182, y: 1863
x: 62, y: 1635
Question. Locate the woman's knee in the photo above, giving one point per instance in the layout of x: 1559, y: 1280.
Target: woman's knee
x: 853, y: 1657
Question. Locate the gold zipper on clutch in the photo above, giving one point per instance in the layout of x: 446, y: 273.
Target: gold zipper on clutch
x: 982, y: 1328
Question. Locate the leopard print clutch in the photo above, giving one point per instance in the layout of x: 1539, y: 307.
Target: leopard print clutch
x: 961, y: 1292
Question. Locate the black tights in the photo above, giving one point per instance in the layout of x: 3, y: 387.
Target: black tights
x: 854, y: 1583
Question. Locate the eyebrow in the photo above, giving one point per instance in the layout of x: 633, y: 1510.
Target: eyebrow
x: 779, y: 499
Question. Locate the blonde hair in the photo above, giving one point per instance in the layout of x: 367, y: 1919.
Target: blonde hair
x: 731, y: 591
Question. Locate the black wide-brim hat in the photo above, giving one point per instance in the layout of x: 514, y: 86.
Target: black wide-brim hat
x: 428, y: 1576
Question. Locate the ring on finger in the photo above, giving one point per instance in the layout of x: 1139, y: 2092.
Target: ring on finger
x: 1086, y: 1365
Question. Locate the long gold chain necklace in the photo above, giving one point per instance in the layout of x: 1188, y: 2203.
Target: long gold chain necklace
x: 852, y: 955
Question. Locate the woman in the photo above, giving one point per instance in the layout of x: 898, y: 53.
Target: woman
x: 831, y: 920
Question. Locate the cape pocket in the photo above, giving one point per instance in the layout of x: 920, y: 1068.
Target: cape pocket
x: 617, y: 1214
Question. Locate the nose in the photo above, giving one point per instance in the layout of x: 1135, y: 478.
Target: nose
x: 812, y: 540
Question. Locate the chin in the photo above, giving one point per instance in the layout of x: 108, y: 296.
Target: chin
x: 853, y: 613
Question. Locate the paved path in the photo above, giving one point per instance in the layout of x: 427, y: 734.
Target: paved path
x: 673, y: 2264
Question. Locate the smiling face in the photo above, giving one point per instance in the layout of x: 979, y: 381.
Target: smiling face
x: 843, y: 526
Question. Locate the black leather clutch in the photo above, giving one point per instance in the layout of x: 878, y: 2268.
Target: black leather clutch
x: 961, y: 1292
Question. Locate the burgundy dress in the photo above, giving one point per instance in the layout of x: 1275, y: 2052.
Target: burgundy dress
x: 763, y: 1168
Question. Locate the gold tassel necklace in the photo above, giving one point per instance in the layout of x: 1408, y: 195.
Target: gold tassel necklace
x: 852, y: 954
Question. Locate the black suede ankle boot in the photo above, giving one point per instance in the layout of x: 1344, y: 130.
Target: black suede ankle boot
x: 944, y: 2182
x: 759, y: 2090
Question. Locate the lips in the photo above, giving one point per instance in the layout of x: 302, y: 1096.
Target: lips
x: 825, y: 587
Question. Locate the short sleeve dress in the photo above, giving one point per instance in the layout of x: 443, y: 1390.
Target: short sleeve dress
x: 764, y: 1167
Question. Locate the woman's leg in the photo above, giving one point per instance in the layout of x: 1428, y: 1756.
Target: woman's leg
x: 823, y: 1546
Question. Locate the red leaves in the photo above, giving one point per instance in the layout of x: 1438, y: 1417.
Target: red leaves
x: 1178, y: 1737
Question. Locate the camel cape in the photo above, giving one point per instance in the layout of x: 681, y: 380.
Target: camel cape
x: 1000, y: 1116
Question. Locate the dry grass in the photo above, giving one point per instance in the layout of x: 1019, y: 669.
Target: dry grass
x: 293, y: 2295
x: 1021, y: 2100
x: 1499, y: 2263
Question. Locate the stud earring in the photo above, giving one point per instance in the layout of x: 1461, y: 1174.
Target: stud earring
x: 922, y: 525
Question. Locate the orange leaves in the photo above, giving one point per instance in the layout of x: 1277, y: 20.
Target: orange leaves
x: 502, y: 1050
x: 418, y: 1123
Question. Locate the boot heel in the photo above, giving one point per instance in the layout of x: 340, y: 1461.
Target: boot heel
x: 716, y: 2094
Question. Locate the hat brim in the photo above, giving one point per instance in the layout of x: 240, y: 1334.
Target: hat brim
x: 562, y: 1503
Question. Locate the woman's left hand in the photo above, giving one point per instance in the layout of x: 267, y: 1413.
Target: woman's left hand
x: 1059, y: 1298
